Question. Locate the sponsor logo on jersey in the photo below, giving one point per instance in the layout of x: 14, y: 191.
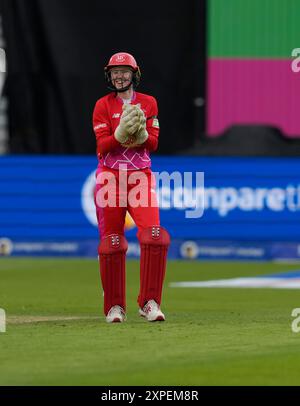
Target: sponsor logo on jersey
x: 102, y: 125
x: 116, y: 115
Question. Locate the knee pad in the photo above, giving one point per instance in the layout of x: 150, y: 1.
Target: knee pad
x: 155, y: 235
x: 113, y: 244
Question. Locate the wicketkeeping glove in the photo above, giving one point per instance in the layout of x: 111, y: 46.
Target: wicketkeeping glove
x: 141, y: 134
x: 129, y: 123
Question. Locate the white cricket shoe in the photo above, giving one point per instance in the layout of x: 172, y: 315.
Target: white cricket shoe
x: 151, y: 311
x: 116, y: 315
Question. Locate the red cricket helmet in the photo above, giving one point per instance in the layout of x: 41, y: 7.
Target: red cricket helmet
x: 122, y: 59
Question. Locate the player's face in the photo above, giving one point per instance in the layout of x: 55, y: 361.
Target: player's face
x: 121, y: 76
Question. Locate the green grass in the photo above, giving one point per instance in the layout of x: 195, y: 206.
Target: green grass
x: 211, y: 336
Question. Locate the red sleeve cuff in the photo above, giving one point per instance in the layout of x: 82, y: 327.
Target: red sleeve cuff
x: 151, y: 143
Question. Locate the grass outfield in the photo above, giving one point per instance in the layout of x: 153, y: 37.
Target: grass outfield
x: 56, y: 333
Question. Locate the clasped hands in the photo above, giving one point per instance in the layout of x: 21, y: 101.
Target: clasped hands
x: 131, y: 131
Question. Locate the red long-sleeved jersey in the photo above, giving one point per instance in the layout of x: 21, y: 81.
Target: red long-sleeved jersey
x: 106, y: 118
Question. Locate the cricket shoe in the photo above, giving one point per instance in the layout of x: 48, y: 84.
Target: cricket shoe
x: 116, y: 315
x: 151, y: 311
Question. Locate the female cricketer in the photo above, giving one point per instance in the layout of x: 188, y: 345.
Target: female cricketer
x: 126, y: 127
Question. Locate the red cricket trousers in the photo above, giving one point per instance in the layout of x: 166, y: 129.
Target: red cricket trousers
x: 119, y: 191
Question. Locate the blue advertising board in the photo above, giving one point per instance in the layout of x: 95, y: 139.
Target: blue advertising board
x: 249, y: 208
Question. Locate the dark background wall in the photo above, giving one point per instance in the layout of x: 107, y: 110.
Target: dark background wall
x: 56, y: 51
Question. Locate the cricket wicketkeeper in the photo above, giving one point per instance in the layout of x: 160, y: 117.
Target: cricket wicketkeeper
x: 126, y: 128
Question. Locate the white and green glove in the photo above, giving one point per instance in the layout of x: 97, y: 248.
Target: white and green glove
x: 142, y: 134
x: 129, y: 123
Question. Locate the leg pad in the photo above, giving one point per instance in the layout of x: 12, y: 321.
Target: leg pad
x: 112, y: 257
x: 154, y: 243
